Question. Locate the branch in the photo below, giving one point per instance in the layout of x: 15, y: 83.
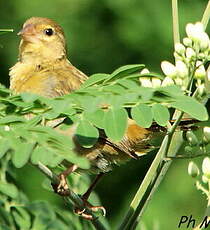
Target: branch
x: 72, y: 198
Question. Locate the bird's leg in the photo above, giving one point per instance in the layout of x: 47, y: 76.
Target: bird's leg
x: 62, y: 188
x: 85, y: 197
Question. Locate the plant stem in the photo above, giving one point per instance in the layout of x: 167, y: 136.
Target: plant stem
x: 72, y: 198
x: 6, y: 30
x: 206, y: 15
x: 152, y: 179
x: 175, y: 18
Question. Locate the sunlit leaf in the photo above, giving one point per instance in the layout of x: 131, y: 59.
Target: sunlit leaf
x: 161, y: 114
x: 94, y: 79
x: 4, y: 146
x: 22, y: 154
x: 11, y: 118
x: 9, y: 190
x: 87, y: 135
x: 124, y: 71
x: 96, y: 117
x: 115, y: 122
x: 192, y: 107
x: 142, y: 114
x: 29, y: 97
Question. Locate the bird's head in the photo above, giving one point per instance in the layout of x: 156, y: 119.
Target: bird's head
x: 42, y: 38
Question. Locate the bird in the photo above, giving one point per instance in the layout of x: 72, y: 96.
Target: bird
x: 43, y: 68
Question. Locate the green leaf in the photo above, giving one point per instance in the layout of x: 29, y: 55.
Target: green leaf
x: 22, y: 218
x: 52, y: 114
x: 34, y: 121
x: 47, y: 156
x: 39, y: 154
x: 124, y: 71
x: 161, y: 114
x: 96, y: 117
x: 115, y: 122
x: 87, y: 135
x: 142, y: 114
x: 4, y: 147
x: 43, y: 208
x: 95, y: 79
x: 11, y: 118
x: 192, y: 107
x: 29, y: 97
x: 22, y: 154
x: 149, y: 75
x: 116, y: 89
x: 129, y: 84
x: 4, y: 227
x: 9, y: 190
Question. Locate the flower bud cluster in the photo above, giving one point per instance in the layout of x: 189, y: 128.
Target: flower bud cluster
x: 194, y: 172
x: 190, y: 58
x: 154, y: 82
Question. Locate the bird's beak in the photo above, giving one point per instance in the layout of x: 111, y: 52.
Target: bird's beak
x: 19, y: 33
x: 27, y: 30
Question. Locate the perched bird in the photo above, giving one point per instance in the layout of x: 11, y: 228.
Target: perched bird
x: 43, y: 69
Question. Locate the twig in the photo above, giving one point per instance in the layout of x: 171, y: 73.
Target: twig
x: 73, y: 197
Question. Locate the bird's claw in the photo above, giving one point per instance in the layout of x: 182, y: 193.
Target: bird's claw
x: 82, y: 212
x: 62, y: 188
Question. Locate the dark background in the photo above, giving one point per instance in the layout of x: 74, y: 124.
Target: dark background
x: 102, y: 36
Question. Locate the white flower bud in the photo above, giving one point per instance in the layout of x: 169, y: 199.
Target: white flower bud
x: 178, y: 81
x: 200, y: 72
x: 145, y: 82
x: 196, y: 33
x: 205, y: 179
x: 206, y: 167
x: 168, y: 69
x: 190, y: 53
x: 177, y: 56
x: 179, y: 48
x: 191, y: 138
x: 194, y: 30
x: 206, y: 132
x: 144, y: 71
x: 6, y: 128
x: 204, y: 41
x: 156, y: 82
x: 193, y: 169
x: 201, y: 56
x: 167, y: 81
x: 201, y: 88
x: 208, y: 75
x: 187, y: 42
x: 181, y: 69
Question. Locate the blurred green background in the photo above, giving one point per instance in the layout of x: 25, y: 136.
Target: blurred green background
x: 101, y: 36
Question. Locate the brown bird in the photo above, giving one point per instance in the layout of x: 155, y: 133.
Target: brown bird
x: 43, y: 69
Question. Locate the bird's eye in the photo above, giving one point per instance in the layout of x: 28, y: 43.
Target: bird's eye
x: 49, y: 32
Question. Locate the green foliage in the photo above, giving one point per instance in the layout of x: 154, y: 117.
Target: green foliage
x: 110, y: 98
x: 138, y: 114
x: 104, y: 100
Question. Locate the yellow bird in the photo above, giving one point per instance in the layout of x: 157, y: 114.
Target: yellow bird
x: 44, y: 69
